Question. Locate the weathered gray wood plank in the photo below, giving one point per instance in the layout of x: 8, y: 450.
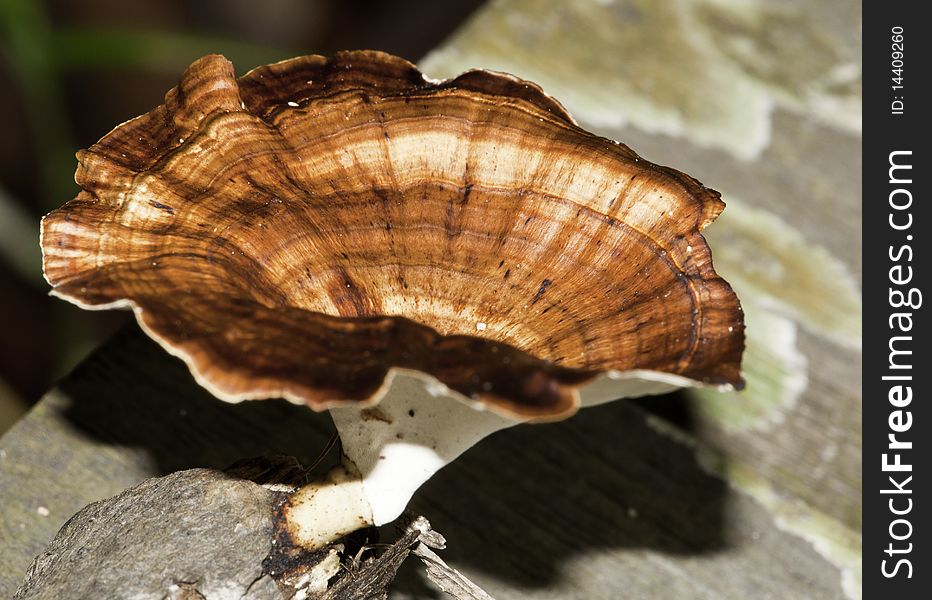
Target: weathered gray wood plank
x: 609, y: 504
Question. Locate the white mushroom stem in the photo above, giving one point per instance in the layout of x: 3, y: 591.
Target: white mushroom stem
x: 328, y: 508
x: 418, y: 427
x: 389, y: 450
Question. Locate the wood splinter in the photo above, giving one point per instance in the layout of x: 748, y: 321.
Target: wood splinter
x: 418, y: 539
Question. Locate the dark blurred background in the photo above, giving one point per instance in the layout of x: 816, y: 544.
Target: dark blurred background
x: 72, y: 70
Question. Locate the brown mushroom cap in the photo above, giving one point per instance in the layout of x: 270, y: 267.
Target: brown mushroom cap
x: 305, y: 229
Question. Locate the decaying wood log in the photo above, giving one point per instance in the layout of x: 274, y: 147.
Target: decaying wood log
x: 205, y: 533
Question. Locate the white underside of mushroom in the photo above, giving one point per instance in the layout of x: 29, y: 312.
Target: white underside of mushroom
x: 418, y: 427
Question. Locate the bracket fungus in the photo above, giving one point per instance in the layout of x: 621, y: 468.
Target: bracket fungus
x: 431, y: 260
